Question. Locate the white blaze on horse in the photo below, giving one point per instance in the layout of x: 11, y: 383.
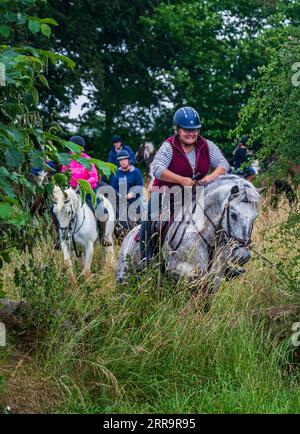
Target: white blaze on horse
x: 201, y: 245
x: 78, y: 228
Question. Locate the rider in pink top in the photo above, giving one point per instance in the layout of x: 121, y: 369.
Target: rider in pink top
x: 78, y: 171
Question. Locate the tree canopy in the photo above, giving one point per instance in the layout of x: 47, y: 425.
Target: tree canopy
x: 138, y: 61
x: 272, y: 113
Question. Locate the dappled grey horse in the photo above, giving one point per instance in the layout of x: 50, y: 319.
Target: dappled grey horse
x: 217, y: 233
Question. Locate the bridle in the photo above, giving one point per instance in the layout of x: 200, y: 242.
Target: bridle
x: 222, y: 236
x: 226, y: 235
x: 70, y: 230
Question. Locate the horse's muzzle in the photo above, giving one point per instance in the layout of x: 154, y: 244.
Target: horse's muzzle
x: 241, y: 255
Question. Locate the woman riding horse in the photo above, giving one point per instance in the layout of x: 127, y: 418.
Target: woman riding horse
x: 178, y: 160
x: 78, y: 171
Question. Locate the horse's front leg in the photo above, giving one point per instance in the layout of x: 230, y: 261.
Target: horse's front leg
x: 67, y: 259
x: 87, y: 260
x: 217, y: 269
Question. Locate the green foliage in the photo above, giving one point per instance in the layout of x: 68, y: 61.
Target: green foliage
x: 22, y: 138
x: 138, y: 61
x: 24, y: 141
x: 43, y: 289
x: 273, y: 110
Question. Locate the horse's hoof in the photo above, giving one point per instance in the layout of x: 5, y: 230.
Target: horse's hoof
x: 86, y: 275
x: 73, y: 279
x: 106, y: 243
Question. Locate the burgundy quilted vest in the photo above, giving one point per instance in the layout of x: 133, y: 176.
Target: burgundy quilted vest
x: 180, y: 163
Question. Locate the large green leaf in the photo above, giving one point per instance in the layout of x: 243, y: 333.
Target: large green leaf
x: 64, y: 159
x: 73, y: 147
x: 6, y: 186
x: 36, y: 158
x: 55, y: 58
x: 4, y: 31
x: 34, y: 94
x: 46, y: 30
x: 34, y: 26
x: 21, y: 18
x: 84, y: 161
x: 85, y: 188
x: 105, y: 168
x: 43, y: 80
x: 49, y: 21
x: 60, y: 179
x: 10, y: 17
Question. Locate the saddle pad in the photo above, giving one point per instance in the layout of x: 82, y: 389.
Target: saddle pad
x: 137, y: 237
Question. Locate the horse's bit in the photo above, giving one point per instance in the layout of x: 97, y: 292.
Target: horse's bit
x: 68, y: 232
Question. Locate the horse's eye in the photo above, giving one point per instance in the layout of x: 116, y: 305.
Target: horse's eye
x: 234, y: 216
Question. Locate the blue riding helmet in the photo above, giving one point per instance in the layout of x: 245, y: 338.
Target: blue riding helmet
x: 186, y: 117
x: 78, y: 140
x: 122, y: 155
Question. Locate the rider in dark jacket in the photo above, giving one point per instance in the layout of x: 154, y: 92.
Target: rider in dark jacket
x: 240, y: 157
x: 128, y: 183
x: 118, y: 146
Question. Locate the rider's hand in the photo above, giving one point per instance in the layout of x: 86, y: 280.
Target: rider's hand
x: 129, y: 196
x: 187, y: 182
x: 206, y: 179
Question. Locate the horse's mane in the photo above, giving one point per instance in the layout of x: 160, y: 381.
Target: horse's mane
x: 247, y: 192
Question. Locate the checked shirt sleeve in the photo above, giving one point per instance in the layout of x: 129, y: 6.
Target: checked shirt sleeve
x: 216, y: 157
x: 162, y: 159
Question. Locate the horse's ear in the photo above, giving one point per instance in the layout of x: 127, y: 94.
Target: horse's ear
x: 56, y: 192
x: 65, y: 195
x: 260, y: 190
x: 234, y: 190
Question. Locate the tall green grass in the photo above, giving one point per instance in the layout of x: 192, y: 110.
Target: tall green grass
x: 150, y: 347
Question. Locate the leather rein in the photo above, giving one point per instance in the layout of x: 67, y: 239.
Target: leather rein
x: 219, y: 231
x: 70, y: 230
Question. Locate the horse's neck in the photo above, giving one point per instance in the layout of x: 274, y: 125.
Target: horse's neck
x: 213, y: 202
x: 213, y: 209
x: 78, y: 208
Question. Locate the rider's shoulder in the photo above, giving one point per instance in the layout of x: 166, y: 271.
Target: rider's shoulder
x: 210, y: 142
x: 165, y: 145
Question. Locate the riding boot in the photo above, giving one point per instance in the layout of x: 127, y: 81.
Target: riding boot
x: 146, y: 241
x: 145, y: 244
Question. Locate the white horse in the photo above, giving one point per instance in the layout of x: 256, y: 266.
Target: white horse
x: 78, y: 227
x: 208, y: 239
